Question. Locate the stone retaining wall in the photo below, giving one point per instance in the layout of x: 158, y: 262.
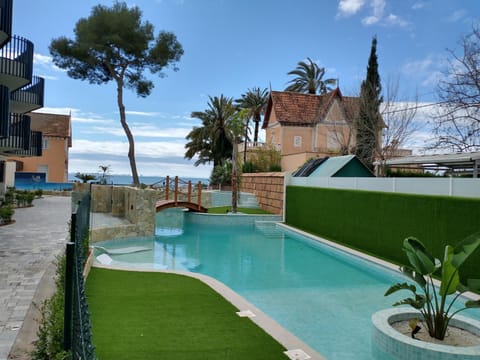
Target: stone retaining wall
x: 135, y: 205
x: 268, y: 188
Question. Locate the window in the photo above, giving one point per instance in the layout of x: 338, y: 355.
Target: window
x: 297, y: 141
x: 45, y: 143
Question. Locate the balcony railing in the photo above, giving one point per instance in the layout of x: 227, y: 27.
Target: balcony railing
x: 6, y: 7
x: 258, y: 146
x: 4, y: 111
x: 29, y: 97
x: 16, y: 63
x: 35, y: 148
x: 18, y: 134
x: 21, y: 140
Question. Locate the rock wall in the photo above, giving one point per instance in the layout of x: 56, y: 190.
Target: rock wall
x: 268, y: 189
x: 129, y: 203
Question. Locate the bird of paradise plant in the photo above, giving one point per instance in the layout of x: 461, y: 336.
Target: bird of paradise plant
x: 434, y: 304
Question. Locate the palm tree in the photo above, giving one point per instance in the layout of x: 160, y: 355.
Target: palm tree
x: 210, y: 141
x: 255, y: 100
x: 234, y: 129
x: 309, y: 79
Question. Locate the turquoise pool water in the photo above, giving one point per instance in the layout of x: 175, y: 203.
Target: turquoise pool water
x: 322, y: 295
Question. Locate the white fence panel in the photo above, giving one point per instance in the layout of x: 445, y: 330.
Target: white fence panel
x: 466, y: 187
x: 423, y: 186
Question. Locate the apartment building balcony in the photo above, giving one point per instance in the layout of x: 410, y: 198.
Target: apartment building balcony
x: 29, y: 97
x: 21, y: 140
x: 16, y: 63
x: 4, y: 111
x: 6, y: 7
x: 35, y: 148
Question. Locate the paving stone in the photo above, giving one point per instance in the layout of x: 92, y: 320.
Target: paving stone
x: 28, y: 246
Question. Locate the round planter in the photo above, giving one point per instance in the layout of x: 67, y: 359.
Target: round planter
x: 388, y: 343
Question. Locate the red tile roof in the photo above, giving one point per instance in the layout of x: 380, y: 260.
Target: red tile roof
x: 292, y: 108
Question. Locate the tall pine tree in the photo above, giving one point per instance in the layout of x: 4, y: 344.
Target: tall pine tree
x: 368, y: 122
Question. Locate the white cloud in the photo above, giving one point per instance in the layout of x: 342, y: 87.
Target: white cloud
x: 88, y: 120
x: 457, y: 15
x: 349, y: 7
x: 417, y: 66
x: 142, y: 113
x: 57, y: 110
x: 157, y: 158
x: 140, y: 130
x: 145, y: 168
x: 370, y: 20
x: 154, y: 149
x: 418, y: 5
x: 48, y: 77
x: 392, y: 19
x: 378, y: 7
x: 427, y: 71
x: 45, y: 61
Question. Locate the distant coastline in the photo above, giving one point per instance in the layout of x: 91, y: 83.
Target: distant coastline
x: 147, y: 180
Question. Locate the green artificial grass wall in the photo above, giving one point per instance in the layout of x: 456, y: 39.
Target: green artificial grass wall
x: 149, y: 315
x: 377, y: 222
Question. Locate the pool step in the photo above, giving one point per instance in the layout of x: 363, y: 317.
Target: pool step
x: 248, y: 200
x: 268, y: 228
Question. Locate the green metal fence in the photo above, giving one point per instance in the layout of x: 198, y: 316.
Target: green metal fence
x: 77, y: 327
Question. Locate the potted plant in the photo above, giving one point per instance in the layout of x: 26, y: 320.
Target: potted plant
x: 432, y: 303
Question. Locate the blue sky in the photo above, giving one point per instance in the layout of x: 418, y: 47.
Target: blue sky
x: 231, y: 46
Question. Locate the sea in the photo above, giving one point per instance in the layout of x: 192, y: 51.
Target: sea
x: 147, y: 180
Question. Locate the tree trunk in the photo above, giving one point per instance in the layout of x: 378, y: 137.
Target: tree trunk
x: 234, y: 177
x: 245, y: 144
x: 256, y: 120
x: 131, y: 142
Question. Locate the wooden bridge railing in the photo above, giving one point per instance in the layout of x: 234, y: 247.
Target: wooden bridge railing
x: 178, y: 188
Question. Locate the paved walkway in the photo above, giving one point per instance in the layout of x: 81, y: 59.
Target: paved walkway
x: 27, y: 251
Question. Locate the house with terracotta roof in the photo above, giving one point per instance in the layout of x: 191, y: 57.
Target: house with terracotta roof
x: 57, y: 139
x: 306, y: 126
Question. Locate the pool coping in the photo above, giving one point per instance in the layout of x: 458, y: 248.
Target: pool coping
x: 270, y: 326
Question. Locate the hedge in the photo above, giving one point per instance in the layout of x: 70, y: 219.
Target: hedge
x: 377, y: 222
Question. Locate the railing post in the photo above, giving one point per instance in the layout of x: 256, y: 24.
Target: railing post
x: 167, y: 187
x: 176, y: 190
x: 189, y: 191
x: 199, y: 186
x: 68, y: 307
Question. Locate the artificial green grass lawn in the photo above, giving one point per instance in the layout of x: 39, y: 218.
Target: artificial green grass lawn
x: 223, y: 210
x: 151, y: 315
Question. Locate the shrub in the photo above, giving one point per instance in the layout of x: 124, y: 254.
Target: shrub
x: 222, y: 175
x: 39, y: 193
x: 249, y: 167
x: 29, y: 196
x: 50, y: 332
x: 275, y: 168
x: 6, y: 213
x: 9, y: 196
x: 264, y: 159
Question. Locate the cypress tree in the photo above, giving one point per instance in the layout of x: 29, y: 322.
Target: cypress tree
x: 369, y: 119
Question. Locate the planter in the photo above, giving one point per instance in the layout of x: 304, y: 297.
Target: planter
x: 388, y: 343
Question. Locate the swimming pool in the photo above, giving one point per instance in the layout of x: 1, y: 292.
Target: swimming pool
x: 322, y: 295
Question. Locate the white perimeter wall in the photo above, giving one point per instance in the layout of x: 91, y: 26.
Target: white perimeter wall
x: 425, y: 186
